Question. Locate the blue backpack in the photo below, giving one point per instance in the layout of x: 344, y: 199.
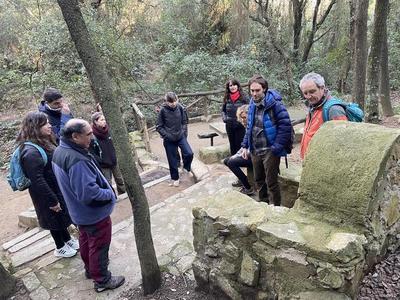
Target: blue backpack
x: 16, y: 177
x: 353, y: 111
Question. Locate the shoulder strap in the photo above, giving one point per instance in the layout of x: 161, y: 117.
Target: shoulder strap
x: 327, y: 106
x: 40, y: 149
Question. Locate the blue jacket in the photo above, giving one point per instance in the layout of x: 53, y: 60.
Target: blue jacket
x: 87, y: 193
x: 278, y: 131
x: 57, y: 119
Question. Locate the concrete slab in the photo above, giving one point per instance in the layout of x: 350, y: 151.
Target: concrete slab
x: 29, y: 241
x: 30, y: 253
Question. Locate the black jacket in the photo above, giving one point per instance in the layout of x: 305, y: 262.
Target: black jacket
x: 57, y: 119
x: 44, y: 189
x: 172, y: 123
x: 104, y: 152
x: 230, y: 108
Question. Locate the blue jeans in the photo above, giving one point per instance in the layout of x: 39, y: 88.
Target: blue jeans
x: 234, y: 163
x: 171, y: 149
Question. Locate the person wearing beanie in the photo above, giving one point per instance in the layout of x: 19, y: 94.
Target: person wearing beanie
x: 102, y: 148
x: 56, y: 109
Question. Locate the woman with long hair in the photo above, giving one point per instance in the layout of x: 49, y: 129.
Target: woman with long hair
x: 233, y: 99
x: 46, y: 196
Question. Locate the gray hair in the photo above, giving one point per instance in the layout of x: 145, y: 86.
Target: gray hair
x: 73, y: 126
x: 317, y: 78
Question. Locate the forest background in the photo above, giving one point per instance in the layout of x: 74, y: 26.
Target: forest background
x: 151, y: 47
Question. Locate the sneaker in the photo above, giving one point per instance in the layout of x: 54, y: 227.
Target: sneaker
x: 113, y: 283
x: 245, y: 191
x: 73, y: 243
x: 237, y: 184
x: 174, y: 183
x: 65, y: 251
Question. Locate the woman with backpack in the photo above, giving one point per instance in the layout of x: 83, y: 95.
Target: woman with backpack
x: 46, y: 196
x: 103, y: 150
x: 233, y: 99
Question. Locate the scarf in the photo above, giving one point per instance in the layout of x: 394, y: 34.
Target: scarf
x: 100, y: 132
x: 235, y: 96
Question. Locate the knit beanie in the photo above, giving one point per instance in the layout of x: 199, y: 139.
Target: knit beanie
x: 51, y: 94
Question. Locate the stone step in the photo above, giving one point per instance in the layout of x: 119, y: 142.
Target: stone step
x: 29, y: 241
x: 20, y: 238
x: 32, y: 252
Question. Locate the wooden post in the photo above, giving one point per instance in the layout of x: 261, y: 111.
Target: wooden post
x: 142, y: 126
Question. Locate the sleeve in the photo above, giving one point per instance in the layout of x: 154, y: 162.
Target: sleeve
x: 33, y: 166
x: 83, y: 181
x: 185, y: 121
x: 336, y: 113
x: 160, y: 126
x: 245, y: 142
x: 283, y: 131
x: 223, y: 112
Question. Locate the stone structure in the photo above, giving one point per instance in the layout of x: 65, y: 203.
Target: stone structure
x: 346, y: 218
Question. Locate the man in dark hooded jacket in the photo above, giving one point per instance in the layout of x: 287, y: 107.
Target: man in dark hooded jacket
x: 56, y: 109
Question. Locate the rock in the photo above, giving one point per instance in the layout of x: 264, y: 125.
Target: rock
x: 330, y: 277
x: 249, y: 270
x: 40, y: 294
x: 213, y: 154
x: 31, y: 282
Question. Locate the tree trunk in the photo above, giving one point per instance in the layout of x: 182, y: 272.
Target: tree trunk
x: 298, y: 8
x: 7, y: 283
x: 360, y: 52
x: 381, y: 12
x: 110, y: 98
x: 384, y: 87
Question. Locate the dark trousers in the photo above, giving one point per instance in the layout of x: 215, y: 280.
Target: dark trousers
x: 235, y: 132
x: 234, y: 163
x: 114, y: 171
x: 94, y: 243
x: 266, y: 170
x: 60, y: 237
x: 187, y: 156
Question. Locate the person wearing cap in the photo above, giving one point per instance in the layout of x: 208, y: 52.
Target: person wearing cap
x: 56, y: 109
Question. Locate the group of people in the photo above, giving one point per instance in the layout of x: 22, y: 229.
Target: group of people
x: 260, y: 132
x: 73, y: 185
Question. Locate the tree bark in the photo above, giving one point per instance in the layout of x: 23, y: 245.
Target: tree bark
x: 360, y: 52
x: 381, y: 12
x: 384, y: 86
x: 110, y: 98
x: 7, y: 283
x: 298, y: 9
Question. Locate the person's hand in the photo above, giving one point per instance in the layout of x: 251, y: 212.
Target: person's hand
x: 56, y: 208
x: 65, y: 109
x: 243, y: 152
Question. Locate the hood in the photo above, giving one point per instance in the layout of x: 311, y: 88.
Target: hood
x: 43, y: 108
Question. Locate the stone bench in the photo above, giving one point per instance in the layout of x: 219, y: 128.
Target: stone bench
x: 345, y: 220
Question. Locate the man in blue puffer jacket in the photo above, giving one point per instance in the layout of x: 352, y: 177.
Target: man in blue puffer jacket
x: 268, y: 136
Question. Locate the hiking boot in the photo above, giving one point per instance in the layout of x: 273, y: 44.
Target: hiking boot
x: 112, y: 283
x: 73, y: 243
x: 245, y: 191
x: 65, y: 251
x: 237, y: 184
x: 174, y: 183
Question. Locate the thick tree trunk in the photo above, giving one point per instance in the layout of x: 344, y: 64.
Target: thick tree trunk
x: 360, y: 52
x: 110, y: 98
x: 384, y: 86
x: 298, y: 8
x: 7, y: 283
x: 381, y: 12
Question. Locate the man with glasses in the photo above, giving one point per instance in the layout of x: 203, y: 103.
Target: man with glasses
x: 56, y: 109
x: 90, y: 200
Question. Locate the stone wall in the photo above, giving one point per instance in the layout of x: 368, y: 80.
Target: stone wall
x: 345, y: 219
